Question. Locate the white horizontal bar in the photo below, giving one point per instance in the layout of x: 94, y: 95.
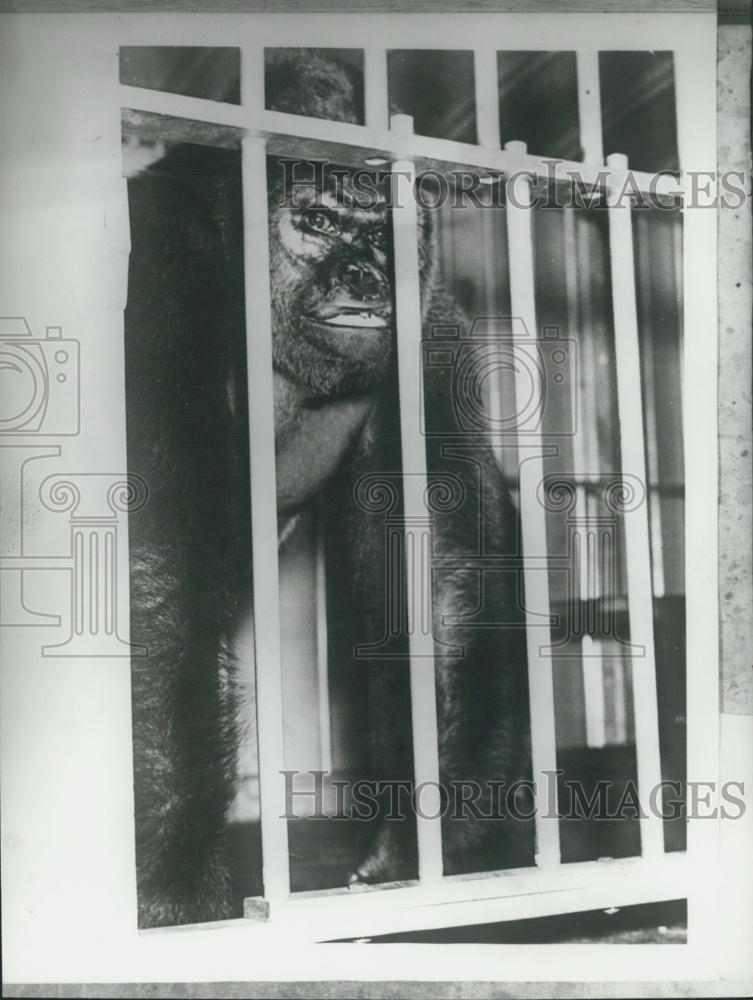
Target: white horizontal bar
x: 456, y: 901
x: 359, y: 142
x: 637, y: 544
x: 181, y: 106
x: 540, y: 25
x: 534, y: 534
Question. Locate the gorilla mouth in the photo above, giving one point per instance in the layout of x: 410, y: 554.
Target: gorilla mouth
x: 354, y: 317
x: 365, y: 319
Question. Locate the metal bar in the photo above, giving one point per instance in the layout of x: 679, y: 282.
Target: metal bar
x: 637, y: 545
x: 297, y: 135
x: 697, y: 288
x: 534, y: 534
x: 589, y: 119
x: 592, y: 665
x: 603, y: 584
x: 643, y: 263
x: 465, y: 900
x: 180, y: 106
x: 589, y: 106
x: 487, y: 98
x: 322, y: 650
x: 269, y: 702
x: 418, y: 584
x: 376, y: 89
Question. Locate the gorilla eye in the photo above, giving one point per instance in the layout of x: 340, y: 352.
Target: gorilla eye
x: 320, y: 222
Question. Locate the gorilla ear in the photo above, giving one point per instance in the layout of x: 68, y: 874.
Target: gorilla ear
x: 311, y: 82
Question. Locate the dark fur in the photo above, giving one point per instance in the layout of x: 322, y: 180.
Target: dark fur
x: 185, y: 344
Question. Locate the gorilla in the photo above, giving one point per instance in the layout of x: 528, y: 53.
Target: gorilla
x: 336, y: 425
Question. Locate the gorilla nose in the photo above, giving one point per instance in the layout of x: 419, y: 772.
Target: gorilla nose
x: 363, y: 282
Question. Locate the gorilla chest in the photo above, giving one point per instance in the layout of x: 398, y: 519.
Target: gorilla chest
x: 310, y: 443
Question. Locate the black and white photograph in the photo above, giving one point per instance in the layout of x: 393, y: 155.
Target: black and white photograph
x: 375, y: 454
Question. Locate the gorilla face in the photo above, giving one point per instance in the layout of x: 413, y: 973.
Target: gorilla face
x: 332, y: 306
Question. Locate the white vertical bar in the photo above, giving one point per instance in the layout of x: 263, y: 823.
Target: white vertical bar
x: 637, y: 545
x: 487, y: 97
x: 422, y: 678
x: 591, y: 661
x: 322, y: 651
x: 266, y: 579
x: 695, y: 69
x: 534, y: 536
x: 589, y: 106
x: 375, y: 89
x: 602, y: 714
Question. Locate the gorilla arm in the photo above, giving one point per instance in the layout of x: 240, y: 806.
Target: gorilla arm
x: 186, y: 575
